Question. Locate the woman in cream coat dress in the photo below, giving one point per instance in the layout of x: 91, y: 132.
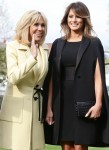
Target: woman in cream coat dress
x: 21, y: 127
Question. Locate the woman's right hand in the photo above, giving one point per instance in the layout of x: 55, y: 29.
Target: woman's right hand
x: 49, y: 117
x: 34, y: 47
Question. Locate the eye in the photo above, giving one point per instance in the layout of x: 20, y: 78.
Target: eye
x: 36, y: 24
x: 70, y: 16
x: 39, y: 24
x: 78, y: 17
x: 42, y: 25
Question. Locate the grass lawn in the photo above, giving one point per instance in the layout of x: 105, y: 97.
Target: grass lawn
x: 50, y: 147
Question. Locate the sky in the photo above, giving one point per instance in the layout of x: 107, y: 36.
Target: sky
x: 54, y: 11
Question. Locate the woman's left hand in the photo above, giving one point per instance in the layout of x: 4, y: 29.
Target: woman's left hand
x: 94, y: 112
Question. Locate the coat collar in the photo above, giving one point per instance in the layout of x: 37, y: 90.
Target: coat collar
x: 25, y: 47
x: 83, y: 46
x: 60, y: 45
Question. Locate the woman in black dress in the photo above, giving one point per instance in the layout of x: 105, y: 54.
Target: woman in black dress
x: 77, y: 76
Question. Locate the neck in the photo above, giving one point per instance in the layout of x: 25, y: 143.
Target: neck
x: 75, y: 37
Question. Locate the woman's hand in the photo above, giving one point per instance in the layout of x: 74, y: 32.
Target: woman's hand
x: 94, y: 112
x: 49, y: 117
x: 34, y: 47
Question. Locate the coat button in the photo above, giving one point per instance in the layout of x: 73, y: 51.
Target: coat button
x: 78, y: 76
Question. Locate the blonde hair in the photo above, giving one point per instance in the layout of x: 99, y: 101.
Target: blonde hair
x: 23, y: 25
x: 82, y: 11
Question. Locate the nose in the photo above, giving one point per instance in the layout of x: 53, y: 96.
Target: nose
x: 39, y: 27
x: 74, y: 18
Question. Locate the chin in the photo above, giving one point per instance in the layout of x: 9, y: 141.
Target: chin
x: 37, y: 41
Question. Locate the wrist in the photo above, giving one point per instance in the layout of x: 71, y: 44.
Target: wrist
x: 35, y: 57
x: 49, y: 108
x: 99, y: 104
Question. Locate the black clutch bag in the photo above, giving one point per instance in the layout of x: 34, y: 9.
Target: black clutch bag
x: 83, y: 107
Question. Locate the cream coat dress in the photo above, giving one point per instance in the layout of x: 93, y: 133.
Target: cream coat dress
x: 20, y: 128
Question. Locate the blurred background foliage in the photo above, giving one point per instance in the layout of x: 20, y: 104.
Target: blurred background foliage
x: 2, y: 59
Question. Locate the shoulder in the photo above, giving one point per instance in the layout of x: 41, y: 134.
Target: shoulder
x: 95, y: 40
x: 97, y: 44
x: 13, y: 43
x: 45, y: 47
x: 58, y: 40
x: 11, y: 46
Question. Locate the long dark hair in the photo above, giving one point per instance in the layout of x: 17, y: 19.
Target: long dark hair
x: 82, y: 11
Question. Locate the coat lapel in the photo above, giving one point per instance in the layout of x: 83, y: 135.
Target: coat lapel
x: 25, y: 49
x: 84, y: 44
x: 60, y: 44
x: 43, y: 61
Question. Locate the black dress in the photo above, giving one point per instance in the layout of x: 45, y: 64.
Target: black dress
x: 72, y: 128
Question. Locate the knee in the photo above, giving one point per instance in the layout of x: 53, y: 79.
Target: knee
x: 80, y: 147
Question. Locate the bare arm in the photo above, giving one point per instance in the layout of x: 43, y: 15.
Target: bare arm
x: 95, y: 111
x: 98, y: 85
x: 49, y: 106
x: 49, y: 116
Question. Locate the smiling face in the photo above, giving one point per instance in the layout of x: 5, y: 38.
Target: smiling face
x: 75, y: 22
x: 38, y: 29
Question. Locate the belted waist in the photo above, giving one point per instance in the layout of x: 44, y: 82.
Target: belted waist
x: 37, y: 96
x: 68, y: 73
